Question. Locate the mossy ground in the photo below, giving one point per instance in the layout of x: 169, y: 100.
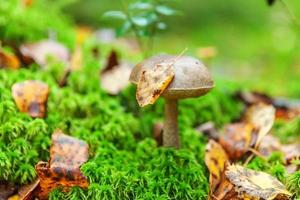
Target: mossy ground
x: 125, y: 162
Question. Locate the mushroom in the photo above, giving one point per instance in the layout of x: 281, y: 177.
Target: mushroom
x: 192, y: 79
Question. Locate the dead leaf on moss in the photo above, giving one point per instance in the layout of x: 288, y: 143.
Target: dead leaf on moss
x: 261, y: 117
x: 7, y: 189
x: 9, y: 60
x: 153, y: 83
x: 291, y: 151
x: 216, y: 161
x: 40, y: 51
x: 115, y: 76
x: 209, y: 130
x: 256, y: 185
x: 27, y: 192
x: 31, y: 97
x: 116, y: 79
x: 236, y: 139
x: 67, y: 154
x: 270, y: 145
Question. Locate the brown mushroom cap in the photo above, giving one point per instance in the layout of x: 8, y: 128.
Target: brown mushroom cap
x: 191, y: 79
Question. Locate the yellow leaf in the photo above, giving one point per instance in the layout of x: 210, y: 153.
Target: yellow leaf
x: 254, y: 184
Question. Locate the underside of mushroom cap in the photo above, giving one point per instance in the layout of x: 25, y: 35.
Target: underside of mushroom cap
x: 192, y: 78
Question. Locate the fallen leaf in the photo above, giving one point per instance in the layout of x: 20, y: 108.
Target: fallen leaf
x: 40, y: 51
x: 67, y: 154
x: 291, y: 151
x: 26, y: 192
x: 6, y: 190
x: 236, y: 139
x: 209, y: 130
x: 270, y: 145
x: 261, y: 117
x: 251, y: 98
x: 31, y: 97
x: 111, y: 62
x: 216, y: 161
x: 153, y: 83
x: 207, y: 52
x: 14, y: 197
x: 116, y: 79
x: 255, y: 185
x: 9, y: 60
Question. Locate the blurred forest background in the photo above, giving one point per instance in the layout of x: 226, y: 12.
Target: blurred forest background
x: 257, y: 44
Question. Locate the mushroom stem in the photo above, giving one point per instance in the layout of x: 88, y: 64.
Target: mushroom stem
x: 170, y: 133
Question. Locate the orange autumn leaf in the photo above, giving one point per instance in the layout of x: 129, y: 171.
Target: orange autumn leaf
x: 9, y: 60
x: 216, y: 161
x: 153, y: 83
x: 261, y: 117
x: 67, y: 154
x: 236, y: 139
x: 256, y: 185
x: 31, y: 97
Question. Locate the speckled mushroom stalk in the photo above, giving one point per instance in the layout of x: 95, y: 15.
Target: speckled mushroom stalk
x: 191, y: 79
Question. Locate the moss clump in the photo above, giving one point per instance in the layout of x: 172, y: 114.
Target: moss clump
x: 20, y: 23
x: 293, y: 184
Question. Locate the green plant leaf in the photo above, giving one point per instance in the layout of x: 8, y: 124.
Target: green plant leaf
x: 167, y: 11
x: 161, y: 26
x: 140, y: 21
x: 125, y: 28
x: 141, y: 6
x: 119, y: 15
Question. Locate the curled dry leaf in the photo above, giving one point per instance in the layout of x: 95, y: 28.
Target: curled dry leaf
x: 255, y: 185
x: 40, y: 51
x: 269, y: 145
x: 236, y: 139
x: 27, y: 192
x: 115, y: 76
x: 216, y: 161
x: 154, y: 82
x: 7, y: 189
x: 9, y: 60
x: 209, y: 130
x: 67, y: 154
x: 291, y: 151
x: 261, y: 117
x: 31, y: 97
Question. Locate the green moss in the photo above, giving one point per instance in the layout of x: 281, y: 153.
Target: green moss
x: 293, y: 184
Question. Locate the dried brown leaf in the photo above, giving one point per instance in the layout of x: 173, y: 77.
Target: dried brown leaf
x: 9, y: 60
x: 116, y: 79
x: 261, y: 117
x: 256, y: 185
x: 236, y: 139
x: 216, y: 161
x: 31, y: 97
x: 40, y: 51
x: 67, y: 154
x: 153, y: 83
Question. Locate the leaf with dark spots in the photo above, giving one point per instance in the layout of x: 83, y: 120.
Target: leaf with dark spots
x: 216, y: 161
x: 256, y: 185
x: 236, y: 139
x: 67, y: 154
x: 31, y: 97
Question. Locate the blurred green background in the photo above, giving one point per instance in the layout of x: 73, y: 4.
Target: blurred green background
x: 257, y: 44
